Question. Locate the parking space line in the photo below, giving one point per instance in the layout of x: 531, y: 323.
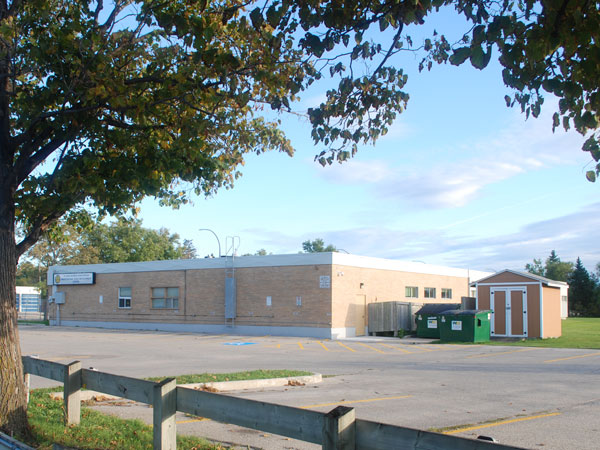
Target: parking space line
x: 499, y: 353
x: 346, y: 347
x: 346, y: 402
x: 503, y: 422
x: 300, y: 345
x: 323, y: 345
x: 572, y: 357
x: 395, y: 347
x: 372, y: 348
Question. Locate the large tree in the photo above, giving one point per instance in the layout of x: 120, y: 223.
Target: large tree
x: 104, y: 103
x: 553, y: 268
x: 582, y: 292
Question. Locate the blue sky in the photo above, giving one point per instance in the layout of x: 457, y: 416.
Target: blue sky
x: 459, y: 180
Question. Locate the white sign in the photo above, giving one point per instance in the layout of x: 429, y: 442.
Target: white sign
x: 431, y: 323
x: 457, y: 325
x: 324, y: 281
x: 74, y: 278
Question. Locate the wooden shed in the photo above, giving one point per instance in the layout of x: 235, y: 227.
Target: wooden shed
x: 522, y: 304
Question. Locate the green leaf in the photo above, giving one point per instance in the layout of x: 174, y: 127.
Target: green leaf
x: 479, y: 58
x: 459, y: 56
x: 591, y: 176
x: 256, y: 18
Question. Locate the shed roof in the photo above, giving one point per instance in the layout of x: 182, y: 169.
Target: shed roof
x: 543, y: 280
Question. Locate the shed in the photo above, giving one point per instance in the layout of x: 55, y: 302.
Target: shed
x: 522, y: 304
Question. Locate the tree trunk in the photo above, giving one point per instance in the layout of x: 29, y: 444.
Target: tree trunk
x: 13, y: 397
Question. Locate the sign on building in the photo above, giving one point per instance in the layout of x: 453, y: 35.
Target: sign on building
x: 74, y: 278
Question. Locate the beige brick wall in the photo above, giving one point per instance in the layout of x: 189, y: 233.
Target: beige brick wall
x: 202, y: 297
x: 382, y: 286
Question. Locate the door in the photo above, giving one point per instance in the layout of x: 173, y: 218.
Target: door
x: 498, y: 307
x: 509, y: 311
x: 360, y: 314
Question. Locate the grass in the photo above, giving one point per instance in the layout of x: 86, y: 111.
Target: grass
x: 96, y: 430
x: 103, y: 431
x: 234, y: 376
x: 35, y: 322
x: 577, y: 332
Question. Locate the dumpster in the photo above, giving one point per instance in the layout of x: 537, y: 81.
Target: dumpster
x: 465, y: 326
x: 428, y: 321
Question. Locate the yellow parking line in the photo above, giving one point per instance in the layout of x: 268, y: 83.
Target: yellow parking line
x: 503, y: 422
x: 323, y: 345
x: 346, y: 402
x: 346, y: 347
x: 372, y: 348
x: 300, y: 345
x: 572, y: 357
x: 201, y: 419
x: 395, y: 347
x: 499, y: 353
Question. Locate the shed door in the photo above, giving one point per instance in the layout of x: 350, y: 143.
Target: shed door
x: 498, y: 307
x: 518, y: 304
x: 509, y: 311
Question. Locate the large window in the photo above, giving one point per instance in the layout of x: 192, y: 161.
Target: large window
x: 429, y: 292
x: 165, y: 298
x: 411, y: 292
x: 446, y: 293
x: 124, y: 297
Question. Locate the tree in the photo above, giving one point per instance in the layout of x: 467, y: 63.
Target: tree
x: 317, y: 246
x: 553, y: 268
x: 537, y: 268
x: 556, y: 269
x: 128, y: 241
x: 582, y: 292
x: 104, y: 103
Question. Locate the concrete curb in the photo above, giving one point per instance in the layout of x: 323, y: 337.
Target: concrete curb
x: 220, y: 386
x: 224, y: 386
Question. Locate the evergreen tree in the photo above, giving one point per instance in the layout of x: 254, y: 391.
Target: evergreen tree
x: 582, y: 292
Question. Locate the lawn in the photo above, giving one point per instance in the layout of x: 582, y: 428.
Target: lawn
x: 96, y: 430
x: 103, y: 431
x: 577, y: 332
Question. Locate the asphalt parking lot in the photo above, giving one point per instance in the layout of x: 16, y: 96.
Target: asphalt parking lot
x: 528, y: 397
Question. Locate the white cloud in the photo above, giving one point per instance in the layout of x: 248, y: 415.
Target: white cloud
x: 521, y: 148
x: 569, y: 235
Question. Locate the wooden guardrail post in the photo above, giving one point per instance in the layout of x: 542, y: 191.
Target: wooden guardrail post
x: 72, y: 393
x: 339, y: 429
x: 165, y: 407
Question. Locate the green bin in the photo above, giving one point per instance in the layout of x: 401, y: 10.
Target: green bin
x: 465, y: 326
x: 428, y: 321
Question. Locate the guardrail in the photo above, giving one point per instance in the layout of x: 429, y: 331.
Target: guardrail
x: 337, y: 429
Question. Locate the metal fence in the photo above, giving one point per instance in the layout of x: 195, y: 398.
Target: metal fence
x: 338, y: 429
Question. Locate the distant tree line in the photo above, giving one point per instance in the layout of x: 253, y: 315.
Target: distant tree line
x: 584, y: 288
x: 99, y: 243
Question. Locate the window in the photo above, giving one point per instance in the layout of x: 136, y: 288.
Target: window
x: 411, y: 292
x: 165, y: 298
x: 298, y: 301
x: 446, y: 293
x: 124, y: 297
x: 269, y: 300
x: 429, y: 292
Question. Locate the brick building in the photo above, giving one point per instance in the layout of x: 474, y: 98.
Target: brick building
x: 321, y: 295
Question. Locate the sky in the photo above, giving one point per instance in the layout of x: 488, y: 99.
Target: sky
x: 459, y: 180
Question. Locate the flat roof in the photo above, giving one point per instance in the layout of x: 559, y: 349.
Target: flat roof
x: 299, y: 259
